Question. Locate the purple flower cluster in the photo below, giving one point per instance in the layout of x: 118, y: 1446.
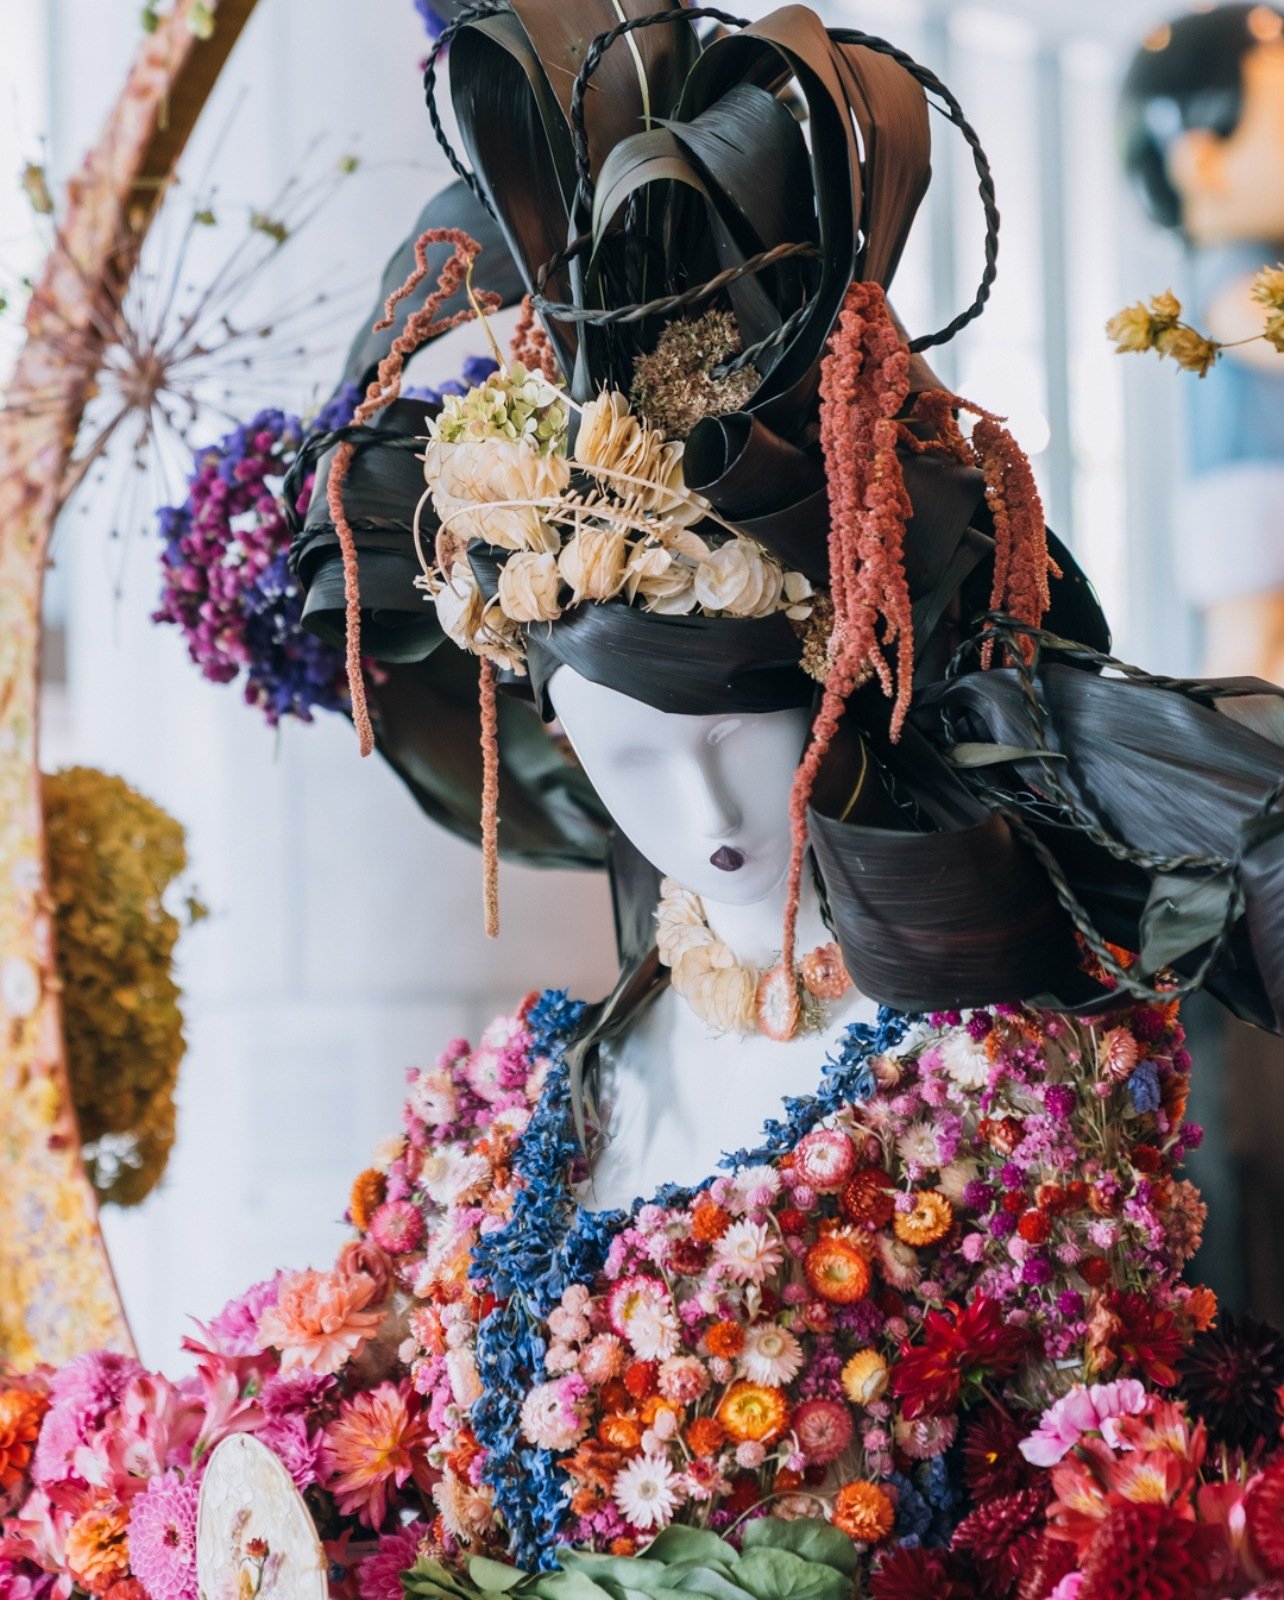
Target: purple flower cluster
x: 226, y: 581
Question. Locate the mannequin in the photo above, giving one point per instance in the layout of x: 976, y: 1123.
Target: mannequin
x: 705, y: 799
x: 1203, y: 130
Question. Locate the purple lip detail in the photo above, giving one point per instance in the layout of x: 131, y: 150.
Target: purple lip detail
x: 726, y: 859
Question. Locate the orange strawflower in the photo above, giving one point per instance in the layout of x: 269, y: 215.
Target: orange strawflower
x: 863, y: 1512
x: 869, y: 1197
x: 726, y: 1339
x: 706, y: 1436
x: 624, y: 1546
x: 653, y: 1405
x: 753, y: 1412
x: 709, y: 1221
x: 639, y: 1379
x: 929, y: 1220
x: 837, y: 1271
x: 97, y: 1549
x: 20, y: 1417
x: 621, y: 1433
x: 369, y: 1192
x: 865, y: 1377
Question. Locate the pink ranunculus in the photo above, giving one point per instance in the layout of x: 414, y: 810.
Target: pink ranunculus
x: 320, y: 1320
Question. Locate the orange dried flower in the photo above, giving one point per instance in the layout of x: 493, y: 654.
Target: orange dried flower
x: 531, y: 345
x: 97, y: 1548
x: 706, y: 1436
x: 653, y: 1405
x: 863, y: 1512
x: 368, y: 1193
x: 709, y: 1221
x: 837, y: 1271
x: 621, y: 1433
x: 929, y: 1221
x: 786, y: 1481
x: 753, y: 1412
x: 1201, y: 1308
x: 21, y: 1414
x: 639, y: 1378
x: 823, y: 974
x: 624, y: 1546
x: 726, y: 1339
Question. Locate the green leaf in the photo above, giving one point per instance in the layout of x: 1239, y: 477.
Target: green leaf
x: 677, y: 1543
x: 809, y: 1537
x: 1182, y: 913
x: 780, y: 1575
x: 573, y: 1585
x: 713, y: 1582
x: 430, y: 1580
x: 495, y: 1577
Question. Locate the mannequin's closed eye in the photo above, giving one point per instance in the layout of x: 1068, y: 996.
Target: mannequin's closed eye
x: 724, y: 730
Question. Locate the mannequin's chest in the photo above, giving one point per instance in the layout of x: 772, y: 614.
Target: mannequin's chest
x: 675, y: 1097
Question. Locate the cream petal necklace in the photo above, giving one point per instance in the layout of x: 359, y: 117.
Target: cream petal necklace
x: 733, y: 995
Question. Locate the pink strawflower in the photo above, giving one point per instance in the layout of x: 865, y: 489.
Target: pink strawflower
x: 603, y: 1359
x: 1083, y: 1410
x: 320, y: 1320
x: 824, y: 1430
x: 748, y: 1253
x: 682, y: 1379
x: 375, y: 1446
x: 397, y: 1227
x: 162, y: 1538
x: 379, y: 1575
x: 825, y: 1159
x: 555, y: 1416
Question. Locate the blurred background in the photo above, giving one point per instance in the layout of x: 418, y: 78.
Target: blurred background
x: 345, y: 938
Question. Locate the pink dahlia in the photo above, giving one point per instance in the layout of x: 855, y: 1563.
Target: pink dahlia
x: 298, y: 1448
x: 81, y: 1394
x: 235, y: 1331
x: 320, y: 1320
x: 376, y: 1444
x: 162, y: 1538
x: 824, y: 1429
x: 379, y: 1575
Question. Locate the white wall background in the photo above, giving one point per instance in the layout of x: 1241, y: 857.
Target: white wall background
x: 346, y: 939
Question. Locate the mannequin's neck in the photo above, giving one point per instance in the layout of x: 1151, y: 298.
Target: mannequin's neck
x: 753, y: 932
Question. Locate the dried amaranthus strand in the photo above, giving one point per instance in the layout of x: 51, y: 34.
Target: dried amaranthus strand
x: 864, y: 384
x: 531, y: 345
x: 490, y: 798
x: 384, y: 388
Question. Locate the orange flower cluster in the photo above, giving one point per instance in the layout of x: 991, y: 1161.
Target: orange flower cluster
x: 97, y: 1550
x: 21, y: 1414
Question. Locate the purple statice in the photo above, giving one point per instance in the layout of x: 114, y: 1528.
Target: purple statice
x: 225, y: 574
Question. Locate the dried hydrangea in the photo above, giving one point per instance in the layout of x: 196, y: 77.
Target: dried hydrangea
x: 676, y: 386
x: 510, y: 404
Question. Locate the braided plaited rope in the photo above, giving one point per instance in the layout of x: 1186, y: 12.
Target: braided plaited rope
x: 470, y: 13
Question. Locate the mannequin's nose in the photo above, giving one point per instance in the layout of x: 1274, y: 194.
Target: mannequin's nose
x: 711, y: 809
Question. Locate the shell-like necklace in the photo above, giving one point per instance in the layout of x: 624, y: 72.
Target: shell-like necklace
x: 733, y: 995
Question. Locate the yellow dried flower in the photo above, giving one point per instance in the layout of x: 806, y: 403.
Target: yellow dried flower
x: 1268, y: 287
x: 1165, y: 310
x: 113, y: 857
x: 1188, y: 348
x: 1132, y: 330
x: 1273, y: 332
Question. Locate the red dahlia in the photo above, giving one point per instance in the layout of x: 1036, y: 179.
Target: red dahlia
x: 1053, y: 1560
x: 1229, y: 1379
x: 1002, y: 1536
x: 960, y: 1344
x: 992, y: 1463
x: 1148, y: 1338
x: 918, y: 1574
x: 1147, y: 1552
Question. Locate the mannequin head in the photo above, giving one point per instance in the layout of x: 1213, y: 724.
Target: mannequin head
x: 1202, y: 124
x: 704, y: 798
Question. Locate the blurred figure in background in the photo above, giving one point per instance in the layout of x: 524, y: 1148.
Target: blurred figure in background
x: 1202, y: 134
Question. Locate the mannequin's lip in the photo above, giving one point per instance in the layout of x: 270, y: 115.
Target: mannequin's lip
x: 727, y: 858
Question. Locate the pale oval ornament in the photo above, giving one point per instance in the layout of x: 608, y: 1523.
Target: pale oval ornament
x: 255, y: 1537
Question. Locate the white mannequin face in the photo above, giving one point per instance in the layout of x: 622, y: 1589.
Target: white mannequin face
x: 705, y: 799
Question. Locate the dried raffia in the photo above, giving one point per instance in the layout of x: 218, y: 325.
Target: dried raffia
x: 421, y: 325
x: 864, y: 385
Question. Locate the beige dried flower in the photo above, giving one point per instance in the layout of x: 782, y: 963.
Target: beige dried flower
x: 674, y: 387
x: 460, y: 606
x: 739, y: 581
x: 468, y: 477
x: 1188, y: 348
x: 680, y: 923
x: 592, y: 563
x: 1273, y: 332
x: 633, y: 461
x: 1165, y: 310
x: 1132, y: 330
x: 1268, y: 287
x: 529, y: 586
x: 718, y: 988
x: 663, y: 575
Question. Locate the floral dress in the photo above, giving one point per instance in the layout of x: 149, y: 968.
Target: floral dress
x: 973, y: 1206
